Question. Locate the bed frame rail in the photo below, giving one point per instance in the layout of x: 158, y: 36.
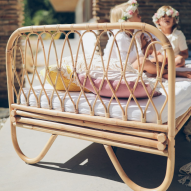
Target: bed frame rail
x: 97, y: 129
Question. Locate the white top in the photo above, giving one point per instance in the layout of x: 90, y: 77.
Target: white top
x: 178, y: 41
x: 123, y: 41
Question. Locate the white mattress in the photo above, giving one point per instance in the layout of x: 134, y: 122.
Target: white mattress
x: 182, y: 91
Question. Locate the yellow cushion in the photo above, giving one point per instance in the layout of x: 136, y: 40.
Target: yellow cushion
x: 66, y: 72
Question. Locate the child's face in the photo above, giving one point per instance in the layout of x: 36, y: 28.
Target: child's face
x: 166, y: 21
x: 136, y: 17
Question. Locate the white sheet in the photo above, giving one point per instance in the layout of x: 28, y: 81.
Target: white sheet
x: 183, y: 102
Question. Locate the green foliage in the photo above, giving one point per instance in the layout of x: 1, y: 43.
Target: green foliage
x: 27, y: 14
x: 43, y: 17
x: 42, y: 13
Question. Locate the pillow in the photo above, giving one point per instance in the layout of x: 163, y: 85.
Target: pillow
x: 66, y: 71
x: 114, y: 77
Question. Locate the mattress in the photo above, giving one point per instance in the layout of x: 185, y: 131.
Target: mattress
x: 182, y: 102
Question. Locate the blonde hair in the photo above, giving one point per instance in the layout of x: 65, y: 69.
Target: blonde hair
x: 165, y: 8
x: 116, y: 12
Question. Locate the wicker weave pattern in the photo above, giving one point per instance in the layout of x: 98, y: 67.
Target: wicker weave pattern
x: 139, y: 136
x: 74, y: 73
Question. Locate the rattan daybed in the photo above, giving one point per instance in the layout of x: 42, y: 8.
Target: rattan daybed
x: 156, y: 138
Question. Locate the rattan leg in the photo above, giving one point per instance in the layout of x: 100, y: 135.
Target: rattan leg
x: 164, y: 186
x: 20, y: 153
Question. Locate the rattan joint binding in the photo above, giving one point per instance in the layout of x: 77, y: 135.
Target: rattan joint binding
x: 19, y: 32
x: 159, y: 79
x: 105, y: 27
x: 92, y: 113
x: 58, y: 68
x: 72, y: 28
x: 159, y: 121
x: 123, y: 73
x: 87, y: 28
x: 124, y: 117
x: 166, y: 46
x: 9, y: 51
x: 32, y: 29
x: 143, y: 120
x: 87, y: 72
x: 44, y: 29
x: 107, y: 115
x: 58, y: 30
x: 122, y: 27
x: 143, y: 27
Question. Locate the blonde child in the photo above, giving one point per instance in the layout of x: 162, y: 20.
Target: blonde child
x: 128, y: 12
x: 166, y: 19
x: 122, y: 38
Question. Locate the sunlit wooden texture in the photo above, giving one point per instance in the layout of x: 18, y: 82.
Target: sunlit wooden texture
x: 105, y: 68
x: 22, y: 155
x: 93, y: 132
x: 105, y: 27
x: 96, y: 119
x: 160, y: 136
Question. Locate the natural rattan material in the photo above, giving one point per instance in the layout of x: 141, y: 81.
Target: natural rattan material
x: 140, y: 136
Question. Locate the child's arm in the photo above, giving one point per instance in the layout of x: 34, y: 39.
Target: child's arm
x: 145, y: 41
x: 180, y: 58
x: 183, y: 53
x: 182, y: 45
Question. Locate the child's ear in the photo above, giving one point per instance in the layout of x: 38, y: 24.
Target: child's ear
x: 158, y: 23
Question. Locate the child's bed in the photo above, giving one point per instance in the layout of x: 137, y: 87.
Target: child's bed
x: 146, y: 125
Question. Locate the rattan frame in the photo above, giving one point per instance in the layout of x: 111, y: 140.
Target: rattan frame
x: 139, y: 136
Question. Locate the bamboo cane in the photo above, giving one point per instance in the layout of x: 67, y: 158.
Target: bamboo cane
x: 92, y: 132
x: 170, y: 128
x: 93, y: 139
x: 111, y: 121
x: 161, y: 137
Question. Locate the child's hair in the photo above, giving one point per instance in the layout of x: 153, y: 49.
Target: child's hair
x: 174, y: 14
x: 116, y: 12
x: 166, y: 7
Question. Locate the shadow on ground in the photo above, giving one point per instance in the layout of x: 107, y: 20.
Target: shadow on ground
x: 145, y: 169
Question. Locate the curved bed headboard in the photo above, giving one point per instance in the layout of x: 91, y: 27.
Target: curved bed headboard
x: 12, y: 45
x: 102, y: 27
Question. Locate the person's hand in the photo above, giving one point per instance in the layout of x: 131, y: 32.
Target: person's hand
x: 145, y: 41
x: 151, y: 47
